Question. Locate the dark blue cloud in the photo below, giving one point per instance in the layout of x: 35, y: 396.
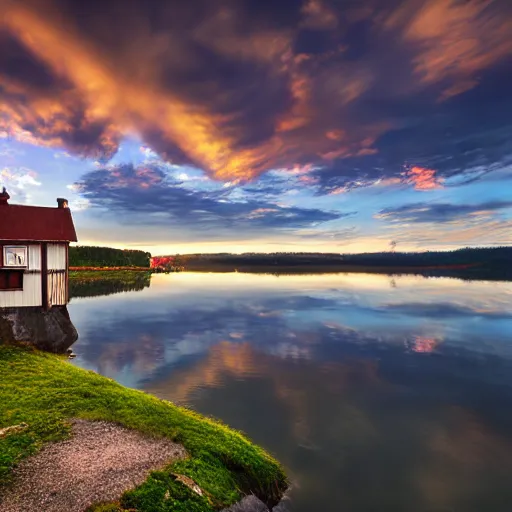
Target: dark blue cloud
x: 466, y: 137
x: 149, y: 195
x: 22, y: 66
x: 440, y: 212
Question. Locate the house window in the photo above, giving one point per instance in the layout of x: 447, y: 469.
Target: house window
x: 11, y: 280
x: 15, y: 256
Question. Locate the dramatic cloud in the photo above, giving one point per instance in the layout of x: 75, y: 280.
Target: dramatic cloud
x: 343, y: 179
x: 240, y: 87
x: 442, y: 212
x: 455, y: 40
x: 149, y: 195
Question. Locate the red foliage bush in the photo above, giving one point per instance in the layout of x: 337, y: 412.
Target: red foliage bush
x: 162, y: 262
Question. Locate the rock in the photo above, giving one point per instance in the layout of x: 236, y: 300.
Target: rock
x: 14, y: 429
x: 281, y: 507
x: 253, y: 504
x: 248, y: 504
x: 50, y: 330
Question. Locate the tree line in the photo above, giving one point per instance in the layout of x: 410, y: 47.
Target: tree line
x: 470, y: 263
x: 91, y: 256
x: 468, y: 256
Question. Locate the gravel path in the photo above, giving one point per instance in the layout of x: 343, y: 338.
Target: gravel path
x: 98, y: 463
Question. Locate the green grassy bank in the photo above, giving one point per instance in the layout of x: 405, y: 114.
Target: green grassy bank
x: 128, y: 276
x: 45, y: 392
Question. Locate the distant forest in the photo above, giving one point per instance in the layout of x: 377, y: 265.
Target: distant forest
x: 477, y: 263
x: 470, y: 263
x: 90, y: 256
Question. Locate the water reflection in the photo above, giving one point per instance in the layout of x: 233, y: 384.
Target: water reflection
x: 376, y: 397
x: 81, y: 288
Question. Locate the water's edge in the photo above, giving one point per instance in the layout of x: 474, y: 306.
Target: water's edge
x: 253, y: 504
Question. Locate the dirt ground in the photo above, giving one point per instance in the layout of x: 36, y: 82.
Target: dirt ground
x: 96, y: 464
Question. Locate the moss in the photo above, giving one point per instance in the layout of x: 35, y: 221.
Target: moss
x: 45, y: 391
x: 161, y: 492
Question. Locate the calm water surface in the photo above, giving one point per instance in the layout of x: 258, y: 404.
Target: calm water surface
x: 376, y: 393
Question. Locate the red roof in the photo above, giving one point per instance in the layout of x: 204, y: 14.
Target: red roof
x: 20, y: 222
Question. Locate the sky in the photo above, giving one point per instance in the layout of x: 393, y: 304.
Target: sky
x: 262, y: 125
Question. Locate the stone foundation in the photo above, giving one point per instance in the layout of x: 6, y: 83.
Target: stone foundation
x: 50, y: 330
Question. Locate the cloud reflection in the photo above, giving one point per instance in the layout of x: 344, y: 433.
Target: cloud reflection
x: 364, y: 392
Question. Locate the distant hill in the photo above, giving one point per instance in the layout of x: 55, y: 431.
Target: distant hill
x: 470, y: 263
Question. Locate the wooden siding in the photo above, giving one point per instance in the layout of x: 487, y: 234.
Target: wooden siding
x: 57, y: 288
x: 57, y: 256
x: 29, y: 296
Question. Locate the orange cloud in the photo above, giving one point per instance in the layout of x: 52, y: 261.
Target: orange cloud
x: 317, y: 15
x: 335, y: 134
x: 455, y: 40
x: 338, y: 190
x: 224, y: 90
x: 423, y: 179
x: 424, y: 345
x: 105, y: 93
x: 120, y: 103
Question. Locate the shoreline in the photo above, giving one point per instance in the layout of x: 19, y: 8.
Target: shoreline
x: 46, y: 393
x: 110, y: 269
x: 469, y: 272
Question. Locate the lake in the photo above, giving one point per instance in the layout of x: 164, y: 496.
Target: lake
x: 377, y: 393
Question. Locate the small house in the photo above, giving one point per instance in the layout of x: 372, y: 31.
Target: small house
x: 34, y: 243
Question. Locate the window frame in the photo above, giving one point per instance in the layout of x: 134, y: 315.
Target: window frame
x: 4, y: 256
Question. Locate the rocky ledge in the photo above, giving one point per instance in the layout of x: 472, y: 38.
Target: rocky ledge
x: 253, y: 504
x: 50, y: 330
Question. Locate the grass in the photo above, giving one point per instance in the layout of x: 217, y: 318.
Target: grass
x: 118, y: 275
x: 45, y: 391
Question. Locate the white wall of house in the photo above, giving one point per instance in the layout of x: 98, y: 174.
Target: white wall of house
x: 34, y: 257
x: 31, y: 295
x: 57, y: 256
